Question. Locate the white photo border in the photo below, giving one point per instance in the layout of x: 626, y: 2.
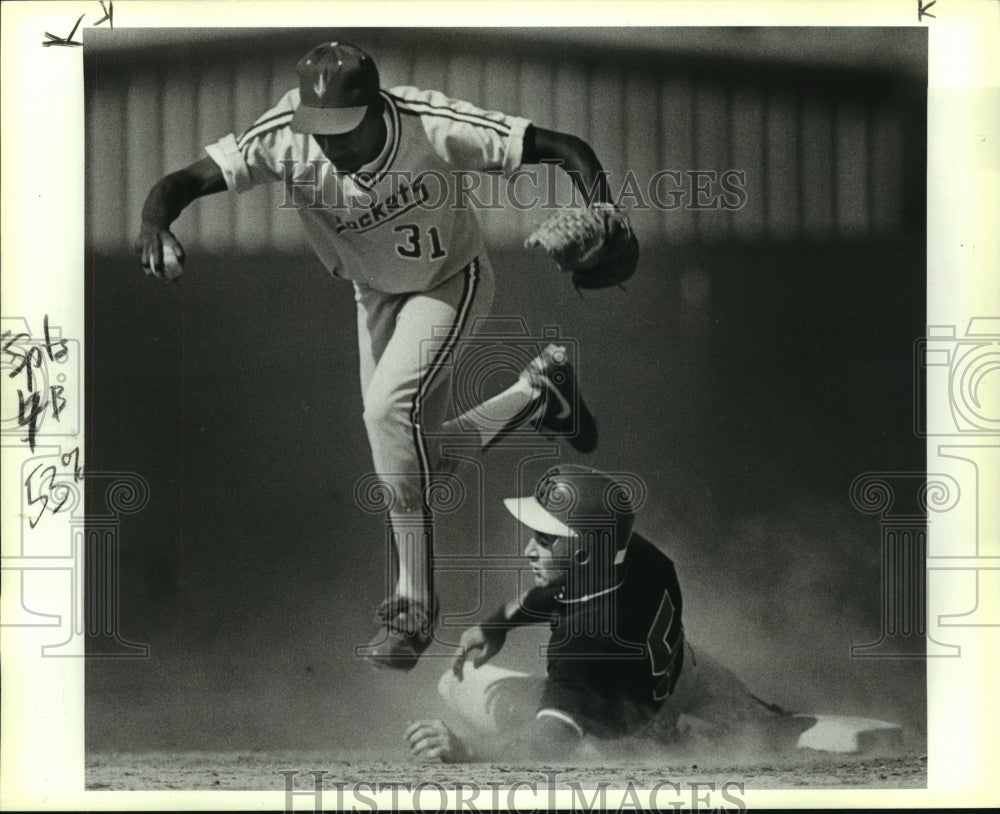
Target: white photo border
x: 43, y: 263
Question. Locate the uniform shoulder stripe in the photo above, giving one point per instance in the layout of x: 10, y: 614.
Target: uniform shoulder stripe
x: 263, y: 126
x: 417, y: 108
x: 395, y: 135
x: 503, y: 130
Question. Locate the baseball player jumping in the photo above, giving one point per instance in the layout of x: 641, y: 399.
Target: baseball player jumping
x: 362, y: 164
x: 617, y: 663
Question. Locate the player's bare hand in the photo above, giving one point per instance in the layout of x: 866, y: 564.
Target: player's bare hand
x: 479, y: 645
x: 161, y: 252
x: 433, y: 740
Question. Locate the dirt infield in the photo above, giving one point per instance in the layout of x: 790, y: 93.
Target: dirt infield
x: 261, y: 771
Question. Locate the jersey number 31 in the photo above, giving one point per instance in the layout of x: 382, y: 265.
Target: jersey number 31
x: 414, y: 245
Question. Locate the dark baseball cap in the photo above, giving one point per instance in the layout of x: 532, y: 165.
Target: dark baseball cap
x: 337, y: 82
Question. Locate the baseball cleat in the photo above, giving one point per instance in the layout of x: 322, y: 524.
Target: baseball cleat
x: 565, y: 413
x: 408, y: 632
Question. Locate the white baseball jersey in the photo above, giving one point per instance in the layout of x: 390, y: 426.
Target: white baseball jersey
x: 393, y: 225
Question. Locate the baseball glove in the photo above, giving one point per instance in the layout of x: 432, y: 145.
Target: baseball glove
x: 596, y: 245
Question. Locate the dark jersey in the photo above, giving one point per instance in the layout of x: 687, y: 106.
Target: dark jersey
x: 614, y: 657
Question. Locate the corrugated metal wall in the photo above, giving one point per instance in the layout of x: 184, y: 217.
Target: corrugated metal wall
x: 826, y: 155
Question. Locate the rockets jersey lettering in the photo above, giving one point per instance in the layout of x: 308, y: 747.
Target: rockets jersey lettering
x: 614, y: 659
x: 393, y: 225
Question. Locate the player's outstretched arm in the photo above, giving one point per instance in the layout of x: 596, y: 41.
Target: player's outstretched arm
x: 595, y: 244
x: 542, y: 738
x: 480, y: 644
x: 161, y: 252
x: 576, y: 157
x: 483, y: 641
